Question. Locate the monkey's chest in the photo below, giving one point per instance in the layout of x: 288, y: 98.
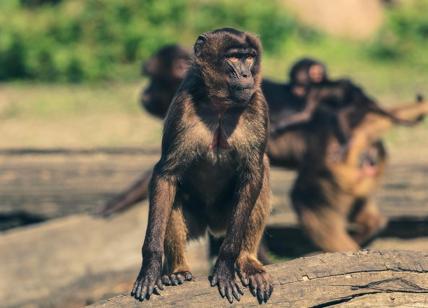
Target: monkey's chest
x: 211, y: 180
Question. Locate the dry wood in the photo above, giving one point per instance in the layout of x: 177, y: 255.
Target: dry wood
x: 362, y: 279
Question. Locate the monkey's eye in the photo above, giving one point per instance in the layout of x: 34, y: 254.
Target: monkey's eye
x: 233, y: 59
x: 249, y: 60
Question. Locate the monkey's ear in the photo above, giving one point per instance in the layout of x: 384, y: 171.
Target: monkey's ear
x: 200, y: 42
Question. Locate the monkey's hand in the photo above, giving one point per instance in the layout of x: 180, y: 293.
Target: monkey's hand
x: 149, y: 279
x: 223, y: 277
x: 253, y: 275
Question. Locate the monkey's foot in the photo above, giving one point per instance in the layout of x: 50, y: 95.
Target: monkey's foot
x: 148, y: 281
x: 176, y: 278
x: 223, y: 277
x: 253, y: 275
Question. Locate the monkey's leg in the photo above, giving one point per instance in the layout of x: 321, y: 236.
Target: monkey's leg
x: 136, y: 193
x: 327, y: 229
x: 179, y: 230
x: 250, y: 269
x: 370, y: 222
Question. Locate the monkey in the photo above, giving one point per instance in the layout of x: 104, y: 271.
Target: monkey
x: 341, y: 100
x: 166, y: 70
x: 306, y: 72
x: 286, y: 148
x: 328, y: 195
x: 213, y: 173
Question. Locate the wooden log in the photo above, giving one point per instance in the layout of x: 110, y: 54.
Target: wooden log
x: 361, y: 279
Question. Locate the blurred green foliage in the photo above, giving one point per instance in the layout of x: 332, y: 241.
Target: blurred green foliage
x: 91, y: 40
x: 404, y: 35
x: 98, y: 39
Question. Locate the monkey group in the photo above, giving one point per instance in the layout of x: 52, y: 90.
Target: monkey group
x: 224, y: 126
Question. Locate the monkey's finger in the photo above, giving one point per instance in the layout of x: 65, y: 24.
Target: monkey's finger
x: 143, y: 293
x: 174, y: 280
x: 239, y: 289
x: 229, y: 293
x: 188, y: 276
x: 134, y: 288
x: 221, y: 289
x: 137, y: 293
x: 244, y: 278
x: 253, y: 286
x: 165, y: 280
x: 260, y: 296
x: 214, y: 280
x: 150, y: 289
x: 235, y: 292
x: 159, y: 284
x: 180, y: 278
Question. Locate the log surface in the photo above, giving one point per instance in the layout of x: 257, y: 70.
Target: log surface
x: 362, y: 279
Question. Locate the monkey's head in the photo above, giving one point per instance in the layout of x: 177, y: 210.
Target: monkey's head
x: 306, y: 72
x: 166, y: 69
x: 229, y: 63
x: 169, y: 62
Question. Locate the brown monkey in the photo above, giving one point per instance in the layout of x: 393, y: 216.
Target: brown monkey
x: 166, y: 70
x: 345, y: 103
x: 213, y: 173
x: 328, y: 195
x: 305, y: 73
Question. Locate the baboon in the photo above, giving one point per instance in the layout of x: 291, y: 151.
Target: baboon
x: 213, y: 173
x: 328, y: 194
x: 341, y: 100
x: 286, y: 147
x: 166, y: 70
x: 306, y: 72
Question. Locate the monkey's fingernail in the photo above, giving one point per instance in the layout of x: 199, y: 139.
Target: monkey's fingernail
x: 213, y: 280
x: 189, y: 276
x: 222, y: 291
x: 253, y: 291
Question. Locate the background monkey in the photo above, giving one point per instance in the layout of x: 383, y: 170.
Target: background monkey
x: 213, y: 173
x: 341, y: 100
x: 328, y: 195
x: 166, y: 70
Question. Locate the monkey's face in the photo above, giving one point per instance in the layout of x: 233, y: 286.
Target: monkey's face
x: 317, y: 73
x: 229, y: 61
x: 237, y: 65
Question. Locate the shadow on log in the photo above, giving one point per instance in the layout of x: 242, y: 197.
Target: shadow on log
x: 365, y: 278
x: 290, y: 241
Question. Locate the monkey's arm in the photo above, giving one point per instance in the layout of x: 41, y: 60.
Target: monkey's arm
x: 246, y: 196
x: 163, y: 189
x: 301, y: 117
x: 374, y: 126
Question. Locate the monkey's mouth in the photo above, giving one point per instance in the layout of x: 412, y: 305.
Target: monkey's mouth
x: 242, y: 93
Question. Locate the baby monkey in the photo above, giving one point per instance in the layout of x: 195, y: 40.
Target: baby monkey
x: 341, y: 101
x: 213, y: 173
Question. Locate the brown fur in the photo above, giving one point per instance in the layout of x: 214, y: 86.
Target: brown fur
x: 213, y: 174
x: 331, y: 194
